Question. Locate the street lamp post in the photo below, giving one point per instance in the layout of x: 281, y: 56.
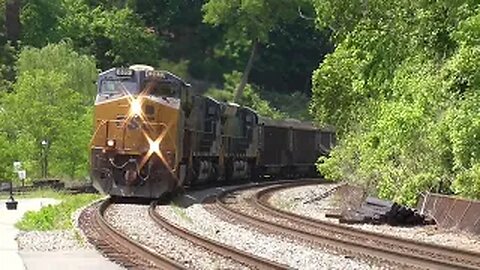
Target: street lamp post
x: 12, y: 204
x: 45, y: 160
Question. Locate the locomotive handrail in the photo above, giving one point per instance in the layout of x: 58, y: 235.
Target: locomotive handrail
x: 200, y: 132
x: 233, y: 137
x: 102, y: 122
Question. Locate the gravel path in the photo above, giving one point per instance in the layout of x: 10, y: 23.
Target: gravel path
x: 49, y: 241
x: 273, y: 247
x: 302, y: 201
x: 136, y: 223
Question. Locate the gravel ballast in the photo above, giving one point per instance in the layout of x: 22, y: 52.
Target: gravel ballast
x: 273, y: 247
x: 136, y: 223
x: 303, y: 201
x: 61, y: 240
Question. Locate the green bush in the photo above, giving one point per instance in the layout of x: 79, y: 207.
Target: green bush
x: 55, y: 217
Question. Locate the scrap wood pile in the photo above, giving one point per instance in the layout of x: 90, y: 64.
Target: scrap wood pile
x: 378, y: 211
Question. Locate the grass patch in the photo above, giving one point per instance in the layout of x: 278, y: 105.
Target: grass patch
x: 179, y: 211
x: 55, y: 217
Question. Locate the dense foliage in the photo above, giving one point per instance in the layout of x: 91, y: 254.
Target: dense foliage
x: 398, y: 79
x: 51, y: 101
x: 47, y: 76
x: 402, y: 89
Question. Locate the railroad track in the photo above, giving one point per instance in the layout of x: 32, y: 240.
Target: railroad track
x: 250, y: 260
x: 403, y: 252
x: 119, y: 247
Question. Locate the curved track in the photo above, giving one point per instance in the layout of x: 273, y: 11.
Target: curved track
x: 384, y: 247
x: 252, y: 261
x: 119, y: 247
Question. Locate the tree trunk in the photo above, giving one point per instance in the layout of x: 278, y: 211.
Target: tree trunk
x: 246, y: 72
x: 12, y: 20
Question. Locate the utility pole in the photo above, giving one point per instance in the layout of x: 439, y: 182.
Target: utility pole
x: 12, y: 20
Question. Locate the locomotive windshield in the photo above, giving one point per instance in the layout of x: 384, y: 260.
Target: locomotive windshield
x: 114, y: 87
x: 161, y: 88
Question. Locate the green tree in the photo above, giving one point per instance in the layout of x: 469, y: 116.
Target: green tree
x: 79, y: 69
x: 7, y: 158
x: 250, y: 21
x: 115, y: 36
x: 40, y: 20
x: 7, y: 54
x: 400, y: 86
x: 49, y: 103
x: 12, y: 20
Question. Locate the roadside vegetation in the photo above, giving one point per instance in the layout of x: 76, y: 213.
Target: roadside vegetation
x: 55, y: 217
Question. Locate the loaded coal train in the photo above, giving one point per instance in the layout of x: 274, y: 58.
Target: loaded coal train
x: 154, y: 136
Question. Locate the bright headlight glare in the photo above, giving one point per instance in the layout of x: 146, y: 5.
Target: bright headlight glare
x: 136, y: 107
x: 155, y: 147
x: 110, y: 143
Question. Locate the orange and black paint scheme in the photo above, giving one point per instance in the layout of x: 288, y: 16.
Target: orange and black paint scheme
x: 135, y: 149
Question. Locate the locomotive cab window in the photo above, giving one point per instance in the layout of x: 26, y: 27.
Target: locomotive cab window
x: 115, y: 87
x: 160, y: 88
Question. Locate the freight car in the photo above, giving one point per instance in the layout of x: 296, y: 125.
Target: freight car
x: 290, y: 147
x: 153, y: 135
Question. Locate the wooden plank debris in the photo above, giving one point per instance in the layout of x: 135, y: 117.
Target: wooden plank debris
x: 377, y: 211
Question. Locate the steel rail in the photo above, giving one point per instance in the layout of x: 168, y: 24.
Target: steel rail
x: 437, y: 254
x: 251, y: 260
x: 118, y: 240
x: 357, y: 241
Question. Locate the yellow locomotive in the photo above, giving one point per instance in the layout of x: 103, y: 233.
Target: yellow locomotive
x: 152, y: 136
x: 135, y: 149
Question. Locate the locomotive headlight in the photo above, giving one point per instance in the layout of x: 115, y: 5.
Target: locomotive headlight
x: 155, y: 146
x: 110, y: 143
x: 136, y: 107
